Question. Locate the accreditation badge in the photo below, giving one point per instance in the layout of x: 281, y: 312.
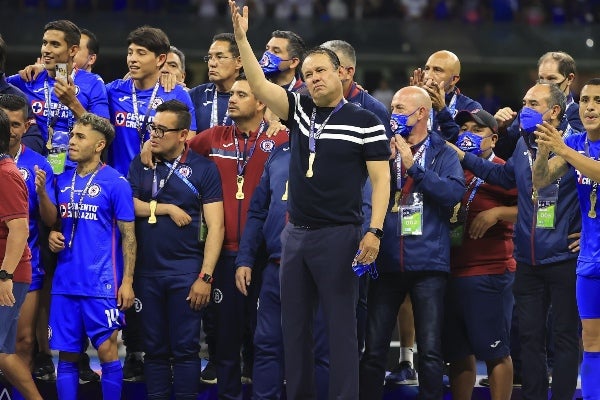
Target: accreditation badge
x: 57, y: 159
x: 547, y: 199
x: 410, y: 215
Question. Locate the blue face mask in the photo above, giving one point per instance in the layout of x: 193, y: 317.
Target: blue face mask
x: 270, y: 63
x: 398, y: 124
x: 530, y: 118
x: 471, y: 143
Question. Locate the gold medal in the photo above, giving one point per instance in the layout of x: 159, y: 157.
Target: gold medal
x: 454, y: 218
x: 284, y: 197
x: 240, y: 188
x: 396, y: 206
x: 311, y: 160
x: 50, y: 134
x: 593, y: 198
x: 152, y: 217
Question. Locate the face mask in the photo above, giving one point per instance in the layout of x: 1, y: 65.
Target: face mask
x: 471, y: 143
x: 530, y: 118
x: 398, y: 124
x: 270, y: 63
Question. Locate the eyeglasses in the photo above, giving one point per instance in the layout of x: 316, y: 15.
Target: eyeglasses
x: 551, y: 81
x: 218, y: 57
x: 159, y: 132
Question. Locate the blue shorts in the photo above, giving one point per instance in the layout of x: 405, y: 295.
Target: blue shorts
x: 9, y: 317
x: 588, y: 297
x: 75, y: 318
x: 37, y: 278
x: 478, y: 317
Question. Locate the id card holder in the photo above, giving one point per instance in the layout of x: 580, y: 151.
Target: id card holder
x: 457, y: 233
x: 410, y: 215
x: 546, y: 207
x: 57, y: 159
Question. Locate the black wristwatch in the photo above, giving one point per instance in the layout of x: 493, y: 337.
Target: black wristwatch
x: 4, y: 275
x: 376, y: 231
x: 206, y: 277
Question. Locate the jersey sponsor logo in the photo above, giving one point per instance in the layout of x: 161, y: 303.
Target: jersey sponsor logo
x: 217, y: 296
x: 185, y: 170
x: 24, y: 173
x: 125, y: 119
x: 227, y: 144
x: 83, y: 211
x: 40, y: 89
x: 495, y: 344
x: 286, y: 148
x: 137, y: 305
x: 357, y: 103
x: 124, y: 98
x: 207, y: 103
x: 582, y: 179
x: 94, y: 190
x: 267, y: 145
x: 38, y: 107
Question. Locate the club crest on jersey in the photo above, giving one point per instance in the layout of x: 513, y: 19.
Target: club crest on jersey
x: 24, y: 173
x: 94, y: 190
x: 267, y: 145
x: 63, y: 209
x: 185, y: 170
x: 120, y: 118
x: 37, y: 107
x: 217, y: 296
x: 77, y: 90
x: 156, y: 102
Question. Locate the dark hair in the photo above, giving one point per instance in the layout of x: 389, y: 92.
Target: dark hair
x: 13, y: 102
x: 93, y: 45
x: 4, y: 132
x: 179, y: 54
x: 99, y: 124
x: 296, y: 46
x: 3, y: 52
x: 241, y: 77
x: 153, y: 39
x: 342, y: 47
x: 593, y: 82
x: 181, y: 110
x: 566, y: 63
x: 71, y: 31
x: 323, y: 50
x: 230, y: 38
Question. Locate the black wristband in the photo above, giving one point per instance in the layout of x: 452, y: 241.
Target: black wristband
x: 376, y: 231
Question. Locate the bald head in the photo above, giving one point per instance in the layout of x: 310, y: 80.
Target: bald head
x: 414, y: 97
x: 443, y: 67
x: 413, y: 102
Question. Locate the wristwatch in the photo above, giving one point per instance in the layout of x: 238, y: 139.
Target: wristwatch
x: 206, y: 277
x: 4, y: 275
x: 376, y: 231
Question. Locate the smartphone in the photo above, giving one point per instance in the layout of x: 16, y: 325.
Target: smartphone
x: 61, y: 71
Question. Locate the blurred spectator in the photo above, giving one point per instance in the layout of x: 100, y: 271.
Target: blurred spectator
x: 442, y: 9
x: 488, y: 99
x: 558, y: 12
x: 384, y: 93
x: 293, y: 9
x: 503, y: 10
x: 337, y: 9
x: 413, y: 9
x: 533, y: 12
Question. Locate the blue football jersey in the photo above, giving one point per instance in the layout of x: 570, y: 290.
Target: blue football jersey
x: 92, y: 262
x: 90, y: 90
x: 128, y: 139
x: 26, y: 162
x: 208, y: 113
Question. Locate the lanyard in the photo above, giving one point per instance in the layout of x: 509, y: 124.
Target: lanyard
x: 239, y: 156
x: 80, y: 203
x: 594, y: 192
x: 312, y: 135
x: 19, y: 151
x: 141, y: 127
x: 291, y: 85
x: 451, y: 108
x: 155, y: 189
x: 418, y: 157
x: 214, y: 112
x: 474, y: 184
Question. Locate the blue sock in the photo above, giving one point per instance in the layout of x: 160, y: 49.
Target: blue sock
x: 67, y: 380
x: 590, y: 384
x: 112, y: 380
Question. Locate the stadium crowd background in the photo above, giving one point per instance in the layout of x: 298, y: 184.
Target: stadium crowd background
x: 498, y: 41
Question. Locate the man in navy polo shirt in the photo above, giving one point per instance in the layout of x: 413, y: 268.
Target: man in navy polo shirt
x: 330, y: 140
x: 174, y: 277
